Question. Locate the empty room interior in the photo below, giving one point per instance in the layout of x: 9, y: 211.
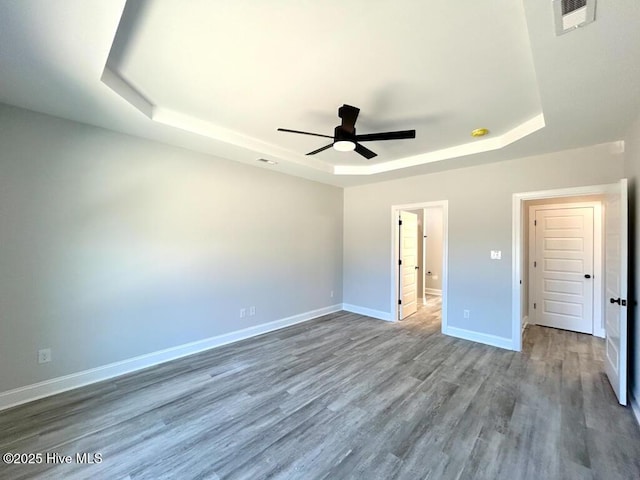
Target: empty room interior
x: 319, y: 240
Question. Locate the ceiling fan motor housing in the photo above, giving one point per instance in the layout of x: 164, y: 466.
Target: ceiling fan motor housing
x: 342, y: 135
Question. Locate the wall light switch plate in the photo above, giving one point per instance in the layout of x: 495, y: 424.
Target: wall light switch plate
x: 496, y: 254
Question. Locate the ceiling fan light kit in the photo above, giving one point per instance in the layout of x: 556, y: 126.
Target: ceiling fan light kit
x: 345, y: 138
x: 344, y: 146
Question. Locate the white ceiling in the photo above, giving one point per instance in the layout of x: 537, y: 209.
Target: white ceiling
x: 221, y: 77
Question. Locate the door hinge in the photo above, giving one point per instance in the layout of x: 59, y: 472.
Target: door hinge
x: 535, y: 222
x: 535, y: 264
x: 400, y: 262
x: 534, y: 306
x: 399, y: 302
x: 400, y: 222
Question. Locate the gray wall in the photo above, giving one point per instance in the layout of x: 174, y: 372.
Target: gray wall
x: 434, y: 232
x: 480, y: 217
x: 113, y: 246
x: 632, y: 172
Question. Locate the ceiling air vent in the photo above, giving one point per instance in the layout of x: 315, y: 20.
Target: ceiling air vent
x: 571, y: 14
x: 270, y: 162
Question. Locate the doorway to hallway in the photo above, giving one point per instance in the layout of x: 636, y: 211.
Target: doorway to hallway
x: 419, y: 263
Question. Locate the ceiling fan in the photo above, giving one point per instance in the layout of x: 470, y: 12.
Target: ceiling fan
x: 345, y: 138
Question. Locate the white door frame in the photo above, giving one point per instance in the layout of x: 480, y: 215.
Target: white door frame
x: 395, y: 214
x: 598, y: 271
x: 517, y: 245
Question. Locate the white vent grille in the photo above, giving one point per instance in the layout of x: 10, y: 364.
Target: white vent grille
x: 569, y: 6
x: 571, y: 14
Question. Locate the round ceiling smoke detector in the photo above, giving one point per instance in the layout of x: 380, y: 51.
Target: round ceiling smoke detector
x: 479, y: 132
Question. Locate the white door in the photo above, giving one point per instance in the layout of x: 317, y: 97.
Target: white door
x: 616, y: 290
x: 563, y: 269
x: 408, y: 264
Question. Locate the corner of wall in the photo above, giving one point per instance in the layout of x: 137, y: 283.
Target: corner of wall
x: 635, y: 406
x: 368, y: 312
x: 485, y: 338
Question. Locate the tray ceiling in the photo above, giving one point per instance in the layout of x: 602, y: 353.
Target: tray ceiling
x: 236, y: 73
x: 221, y: 77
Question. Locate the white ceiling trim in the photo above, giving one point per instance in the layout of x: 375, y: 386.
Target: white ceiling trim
x: 121, y: 87
x: 191, y: 124
x: 179, y: 120
x: 262, y: 149
x: 486, y: 145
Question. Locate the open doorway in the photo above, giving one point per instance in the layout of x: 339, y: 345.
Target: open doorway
x: 609, y: 299
x: 563, y: 269
x: 433, y: 241
x: 419, y: 263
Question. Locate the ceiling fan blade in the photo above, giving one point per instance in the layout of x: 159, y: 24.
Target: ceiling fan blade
x: 304, y: 133
x: 320, y: 149
x: 400, y: 135
x: 365, y: 152
x: 349, y: 115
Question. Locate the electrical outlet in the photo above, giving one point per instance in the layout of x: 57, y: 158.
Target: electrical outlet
x: 496, y: 254
x: 466, y: 313
x: 252, y: 311
x: 243, y: 312
x: 44, y: 355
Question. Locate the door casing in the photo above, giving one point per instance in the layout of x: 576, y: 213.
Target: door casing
x: 518, y: 245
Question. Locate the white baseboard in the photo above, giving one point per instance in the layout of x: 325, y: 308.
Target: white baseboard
x: 635, y: 407
x: 433, y: 291
x: 47, y: 388
x: 493, y: 340
x: 369, y: 312
x: 597, y: 332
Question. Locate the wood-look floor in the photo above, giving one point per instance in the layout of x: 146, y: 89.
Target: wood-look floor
x: 344, y: 396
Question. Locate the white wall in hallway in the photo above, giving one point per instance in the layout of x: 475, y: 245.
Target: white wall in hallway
x: 433, y: 231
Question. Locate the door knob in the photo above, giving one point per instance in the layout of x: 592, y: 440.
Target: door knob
x: 587, y: 276
x: 619, y: 301
x: 417, y: 267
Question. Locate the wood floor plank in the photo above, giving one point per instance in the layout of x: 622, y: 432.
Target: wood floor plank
x: 339, y: 397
